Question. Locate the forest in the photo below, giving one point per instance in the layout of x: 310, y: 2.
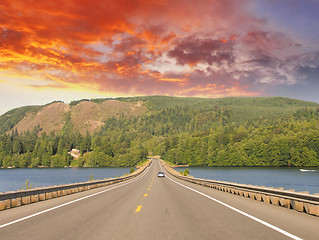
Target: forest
x: 194, y: 133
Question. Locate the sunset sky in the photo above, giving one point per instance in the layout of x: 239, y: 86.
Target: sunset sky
x: 73, y: 49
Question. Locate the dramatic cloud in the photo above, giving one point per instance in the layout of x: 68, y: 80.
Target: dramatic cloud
x: 209, y: 48
x: 193, y: 51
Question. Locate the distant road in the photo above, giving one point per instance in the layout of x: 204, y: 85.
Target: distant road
x: 155, y: 208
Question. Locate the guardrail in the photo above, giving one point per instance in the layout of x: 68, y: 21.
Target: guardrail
x: 299, y: 201
x: 23, y: 197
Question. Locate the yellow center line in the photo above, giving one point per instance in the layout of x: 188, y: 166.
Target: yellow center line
x: 138, y: 209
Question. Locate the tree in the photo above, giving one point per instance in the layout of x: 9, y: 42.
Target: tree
x: 57, y: 161
x: 86, y: 143
x: 17, y: 147
x: 61, y: 146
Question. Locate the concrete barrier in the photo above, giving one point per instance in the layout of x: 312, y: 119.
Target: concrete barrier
x: 18, y: 198
x: 42, y: 197
x: 26, y: 200
x: 34, y: 198
x: 283, y: 202
x: 5, y: 204
x: 298, y: 201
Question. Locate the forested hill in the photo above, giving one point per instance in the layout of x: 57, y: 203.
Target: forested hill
x: 195, y: 131
x: 89, y: 115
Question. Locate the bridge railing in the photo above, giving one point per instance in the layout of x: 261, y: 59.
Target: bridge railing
x: 23, y: 197
x: 299, y: 201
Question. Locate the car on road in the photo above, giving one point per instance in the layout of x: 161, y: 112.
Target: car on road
x: 161, y: 174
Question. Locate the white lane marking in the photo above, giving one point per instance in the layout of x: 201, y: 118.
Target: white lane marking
x: 241, y: 212
x: 68, y: 203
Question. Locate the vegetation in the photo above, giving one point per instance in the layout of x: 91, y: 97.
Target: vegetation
x: 187, y: 131
x: 91, y: 178
x: 27, y: 185
x: 185, y: 173
x: 12, y: 117
x: 289, y: 141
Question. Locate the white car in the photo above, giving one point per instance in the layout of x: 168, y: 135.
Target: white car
x: 161, y: 174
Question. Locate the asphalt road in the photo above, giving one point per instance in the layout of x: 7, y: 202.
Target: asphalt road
x: 155, y: 208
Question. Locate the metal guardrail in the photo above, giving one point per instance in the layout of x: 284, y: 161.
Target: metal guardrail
x: 23, y: 197
x: 29, y: 192
x: 299, y: 201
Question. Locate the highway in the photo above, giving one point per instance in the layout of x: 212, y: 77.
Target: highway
x: 149, y: 207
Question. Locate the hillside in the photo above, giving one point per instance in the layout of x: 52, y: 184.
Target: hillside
x: 190, y: 131
x: 82, y: 117
x: 89, y: 115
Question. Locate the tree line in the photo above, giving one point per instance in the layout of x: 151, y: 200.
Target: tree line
x: 289, y: 141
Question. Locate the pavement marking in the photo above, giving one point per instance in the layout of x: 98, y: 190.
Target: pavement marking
x: 138, y: 209
x: 76, y: 200
x: 241, y: 212
x: 145, y: 195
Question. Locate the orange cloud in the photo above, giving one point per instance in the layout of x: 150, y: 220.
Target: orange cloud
x: 119, y: 46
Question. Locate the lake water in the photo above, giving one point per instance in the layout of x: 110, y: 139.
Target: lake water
x: 14, y: 179
x: 288, y: 178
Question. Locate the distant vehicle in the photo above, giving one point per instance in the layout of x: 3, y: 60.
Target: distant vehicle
x: 161, y: 174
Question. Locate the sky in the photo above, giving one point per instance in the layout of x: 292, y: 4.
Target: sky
x: 75, y: 49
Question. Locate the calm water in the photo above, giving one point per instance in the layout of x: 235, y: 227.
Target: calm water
x: 288, y: 178
x: 14, y: 179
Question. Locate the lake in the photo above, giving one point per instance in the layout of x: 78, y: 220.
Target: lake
x: 288, y: 178
x: 14, y: 179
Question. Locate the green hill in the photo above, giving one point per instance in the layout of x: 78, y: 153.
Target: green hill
x: 89, y: 115
x: 264, y: 131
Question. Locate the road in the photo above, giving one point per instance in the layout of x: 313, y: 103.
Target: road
x: 155, y: 208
